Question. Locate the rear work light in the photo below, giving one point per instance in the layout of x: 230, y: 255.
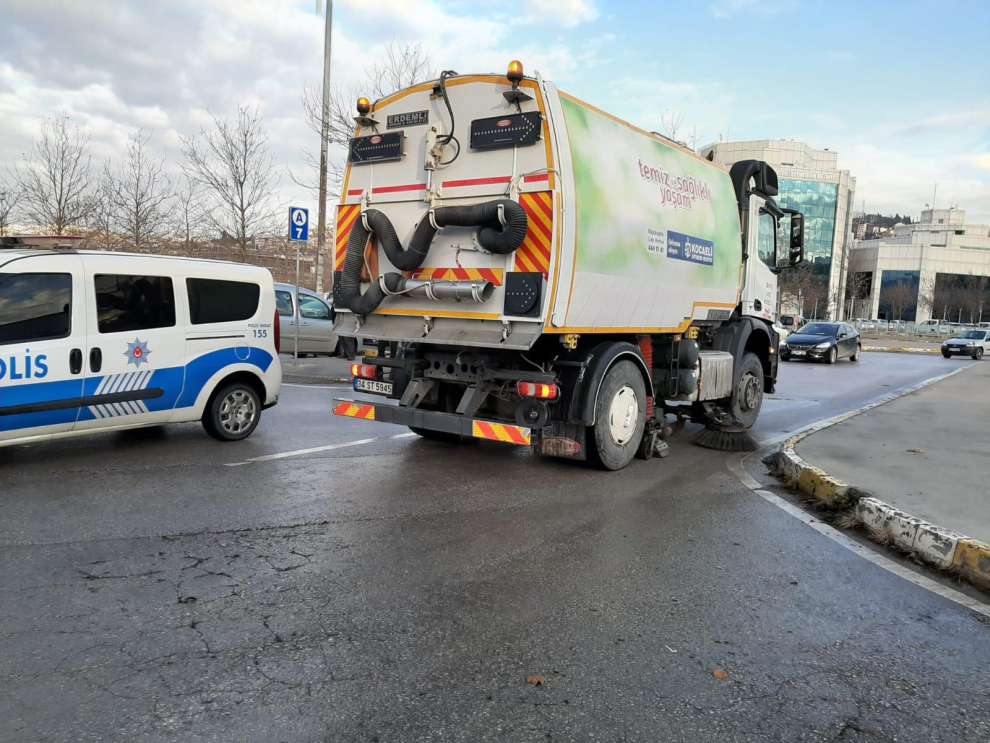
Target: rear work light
x: 364, y: 371
x: 539, y: 390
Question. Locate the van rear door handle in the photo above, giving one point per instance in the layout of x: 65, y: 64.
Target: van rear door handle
x: 75, y: 360
x: 95, y: 359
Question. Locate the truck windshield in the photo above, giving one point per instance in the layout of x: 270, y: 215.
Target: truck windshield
x: 819, y: 328
x: 974, y: 335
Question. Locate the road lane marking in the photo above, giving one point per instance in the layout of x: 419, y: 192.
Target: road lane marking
x: 867, y: 552
x: 318, y: 449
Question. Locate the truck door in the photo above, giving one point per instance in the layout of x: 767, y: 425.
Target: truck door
x: 136, y: 344
x: 760, y: 287
x: 42, y: 336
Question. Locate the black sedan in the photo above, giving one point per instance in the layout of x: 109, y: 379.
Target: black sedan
x: 823, y: 341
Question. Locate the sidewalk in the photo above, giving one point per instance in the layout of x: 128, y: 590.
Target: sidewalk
x: 927, y: 453
x: 315, y: 370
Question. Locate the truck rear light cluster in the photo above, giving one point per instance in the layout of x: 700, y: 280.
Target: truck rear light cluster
x: 364, y: 371
x: 539, y: 390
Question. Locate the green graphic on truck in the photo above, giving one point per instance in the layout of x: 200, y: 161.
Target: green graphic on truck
x: 645, y: 208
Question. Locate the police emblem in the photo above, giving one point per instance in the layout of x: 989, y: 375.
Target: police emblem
x: 137, y: 352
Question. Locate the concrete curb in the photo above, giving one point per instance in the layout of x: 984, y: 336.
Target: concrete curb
x: 930, y: 543
x: 901, y: 349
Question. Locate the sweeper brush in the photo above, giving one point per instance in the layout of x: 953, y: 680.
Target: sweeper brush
x: 711, y: 438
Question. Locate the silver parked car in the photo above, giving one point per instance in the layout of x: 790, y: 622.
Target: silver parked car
x: 313, y: 317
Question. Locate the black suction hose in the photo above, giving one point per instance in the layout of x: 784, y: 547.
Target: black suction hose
x: 493, y: 236
x: 348, y: 293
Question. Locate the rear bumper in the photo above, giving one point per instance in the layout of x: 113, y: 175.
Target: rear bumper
x: 505, y: 433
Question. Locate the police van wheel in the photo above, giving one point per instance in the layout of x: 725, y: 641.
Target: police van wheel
x: 233, y: 413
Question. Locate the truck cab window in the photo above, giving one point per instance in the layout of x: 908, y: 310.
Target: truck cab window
x: 34, y: 306
x: 766, y: 231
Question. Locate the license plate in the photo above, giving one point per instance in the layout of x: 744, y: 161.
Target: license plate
x: 373, y: 385
x: 797, y: 353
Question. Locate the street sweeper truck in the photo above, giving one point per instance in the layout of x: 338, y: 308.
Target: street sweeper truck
x: 538, y: 272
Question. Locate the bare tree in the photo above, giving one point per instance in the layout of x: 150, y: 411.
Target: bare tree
x: 900, y: 297
x: 233, y: 165
x: 11, y: 196
x: 187, y: 216
x: 671, y: 123
x: 858, y: 286
x: 806, y: 286
x: 101, y: 217
x: 55, y: 177
x: 139, y: 192
x: 403, y: 65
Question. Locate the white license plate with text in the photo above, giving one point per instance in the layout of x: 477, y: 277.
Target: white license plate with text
x: 373, y: 385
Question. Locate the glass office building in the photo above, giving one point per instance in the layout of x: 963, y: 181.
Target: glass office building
x: 817, y: 201
x: 811, y: 182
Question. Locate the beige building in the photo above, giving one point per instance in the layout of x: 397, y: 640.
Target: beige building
x: 943, y: 260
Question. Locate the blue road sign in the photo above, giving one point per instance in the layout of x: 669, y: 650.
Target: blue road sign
x: 298, y: 223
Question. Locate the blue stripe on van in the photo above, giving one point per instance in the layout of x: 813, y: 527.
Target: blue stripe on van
x: 180, y: 387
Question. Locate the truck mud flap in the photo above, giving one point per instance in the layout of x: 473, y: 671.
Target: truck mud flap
x: 505, y: 433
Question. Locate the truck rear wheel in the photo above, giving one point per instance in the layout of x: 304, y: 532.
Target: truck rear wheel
x: 620, y: 418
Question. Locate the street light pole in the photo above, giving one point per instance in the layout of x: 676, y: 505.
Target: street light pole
x: 321, y: 225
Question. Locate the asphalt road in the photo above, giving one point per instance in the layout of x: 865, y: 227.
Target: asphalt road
x: 403, y: 590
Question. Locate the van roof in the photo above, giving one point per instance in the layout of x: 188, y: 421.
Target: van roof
x: 11, y: 254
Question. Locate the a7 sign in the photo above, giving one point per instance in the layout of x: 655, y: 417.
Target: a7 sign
x: 298, y: 223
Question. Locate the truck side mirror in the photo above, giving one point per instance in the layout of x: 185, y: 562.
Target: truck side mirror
x: 797, y: 236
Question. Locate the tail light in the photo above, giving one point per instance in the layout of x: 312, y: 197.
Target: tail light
x: 364, y: 371
x: 539, y: 390
x: 278, y: 334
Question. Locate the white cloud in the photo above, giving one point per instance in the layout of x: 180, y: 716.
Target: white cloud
x: 892, y: 179
x: 567, y: 13
x: 954, y: 120
x: 168, y: 66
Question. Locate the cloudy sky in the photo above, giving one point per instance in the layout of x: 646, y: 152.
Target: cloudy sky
x: 899, y: 89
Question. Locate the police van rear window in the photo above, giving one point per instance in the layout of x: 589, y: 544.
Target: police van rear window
x: 35, y: 306
x: 213, y: 300
x: 125, y: 303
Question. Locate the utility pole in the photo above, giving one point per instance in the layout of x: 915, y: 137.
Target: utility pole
x: 321, y: 223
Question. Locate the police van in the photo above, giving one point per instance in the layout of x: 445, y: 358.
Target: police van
x: 95, y: 341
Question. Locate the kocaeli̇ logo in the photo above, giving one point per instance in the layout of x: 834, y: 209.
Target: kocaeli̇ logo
x: 24, y: 367
x: 137, y: 352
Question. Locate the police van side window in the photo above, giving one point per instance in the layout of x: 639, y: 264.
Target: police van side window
x: 35, y: 306
x: 213, y: 300
x: 125, y: 303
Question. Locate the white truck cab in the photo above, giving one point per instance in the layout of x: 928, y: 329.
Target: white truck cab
x: 93, y: 341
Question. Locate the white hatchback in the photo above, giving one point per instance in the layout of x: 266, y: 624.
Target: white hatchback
x: 92, y: 341
x: 973, y: 343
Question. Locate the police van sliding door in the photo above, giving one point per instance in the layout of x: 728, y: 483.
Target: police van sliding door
x: 135, y: 346
x: 42, y: 335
